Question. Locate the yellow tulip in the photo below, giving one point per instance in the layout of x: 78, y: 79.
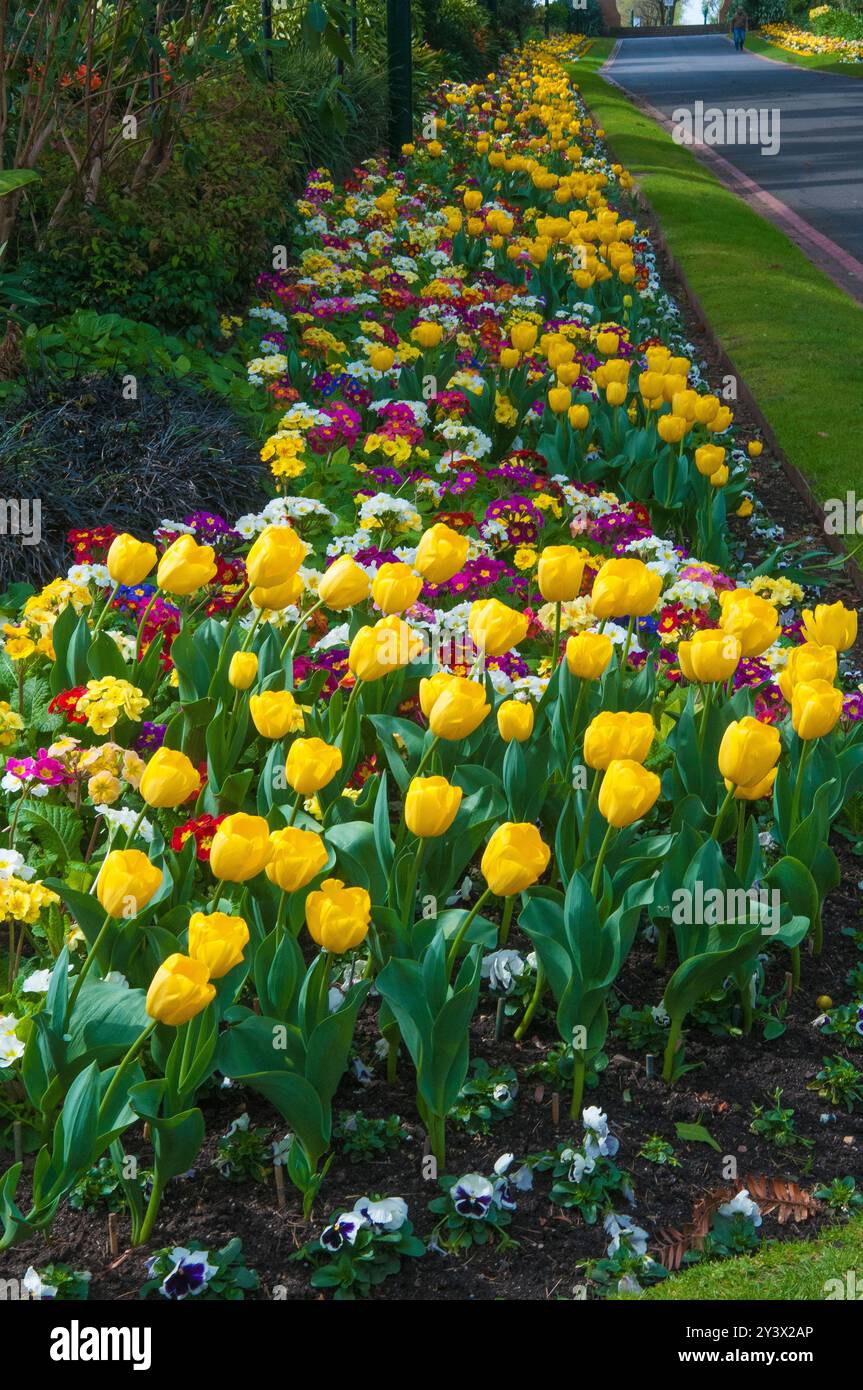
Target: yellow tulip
x: 312, y: 764
x: 217, y: 941
x: 579, y: 417
x: 338, y: 917
x: 808, y: 662
x: 515, y: 857
x: 671, y: 428
x: 388, y: 646
x: 459, y: 709
x: 611, y: 736
x: 431, y: 806
x: 441, y: 553
x: 515, y: 720
x: 559, y: 399
x: 709, y: 458
x: 560, y: 572
x: 831, y: 625
x: 816, y: 707
x: 749, y: 750
x: 179, y: 990
x: 625, y: 589
x: 130, y: 560
x: 344, y: 584
x: 298, y: 857
x: 395, y: 587
x: 241, y: 848
x: 280, y: 595
x: 494, y: 627
x: 126, y: 883
x: 711, y: 655
x: 615, y: 393
x: 275, y: 557
x: 382, y: 359
x: 169, y: 778
x: 242, y: 670
x: 627, y: 793
x: 275, y: 713
x: 428, y: 335
x: 185, y: 567
x: 588, y: 654
x: 751, y: 618
x: 756, y: 792
x: 523, y: 336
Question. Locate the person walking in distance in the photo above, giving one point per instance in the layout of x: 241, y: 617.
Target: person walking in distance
x: 739, y: 25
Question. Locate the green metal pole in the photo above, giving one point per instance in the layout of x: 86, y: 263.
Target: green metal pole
x: 400, y: 65
x: 546, y: 19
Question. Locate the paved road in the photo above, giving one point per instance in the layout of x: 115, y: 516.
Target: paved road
x: 817, y: 172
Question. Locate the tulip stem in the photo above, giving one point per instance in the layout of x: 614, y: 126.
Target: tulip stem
x: 798, y: 786
x: 106, y: 606
x: 297, y: 803
x: 152, y: 1212
x: 355, y: 690
x: 411, y: 885
x: 508, y: 906
x: 282, y: 912
x: 586, y: 819
x: 597, y: 872
x: 579, y: 1068
x: 123, y: 1066
x: 294, y: 634
x: 223, y: 654
x: 558, y: 608
x: 462, y: 931
x: 741, y: 831
x: 705, y: 715
x: 427, y: 755
x: 249, y: 637
x: 729, y: 797
x: 85, y: 968
x: 137, y: 826
x: 671, y: 1049
x: 624, y: 657
x: 214, y: 900
x: 143, y: 623
x: 538, y: 991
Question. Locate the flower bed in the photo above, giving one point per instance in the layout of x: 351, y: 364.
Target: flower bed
x: 374, y: 811
x: 845, y: 49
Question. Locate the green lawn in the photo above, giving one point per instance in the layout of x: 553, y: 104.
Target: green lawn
x: 796, y: 1269
x: 795, y: 338
x: 820, y: 62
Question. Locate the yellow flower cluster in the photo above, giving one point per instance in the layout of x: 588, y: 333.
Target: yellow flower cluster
x: 22, y: 901
x: 283, y: 452
x: 107, y: 700
x: 11, y: 724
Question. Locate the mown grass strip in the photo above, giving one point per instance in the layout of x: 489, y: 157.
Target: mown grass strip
x: 793, y: 335
x: 817, y: 62
x: 798, y: 1270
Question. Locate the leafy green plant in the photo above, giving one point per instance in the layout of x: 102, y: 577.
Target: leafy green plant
x: 102, y: 1186
x: 362, y: 1248
x: 363, y: 1138
x: 776, y: 1124
x: 839, y: 1082
x: 840, y: 1194
x: 658, y: 1150
x: 487, y: 1096
x: 433, y: 1017
x: 243, y: 1153
x: 179, y: 1272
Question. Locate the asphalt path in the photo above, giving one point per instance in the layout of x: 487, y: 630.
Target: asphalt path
x: 814, y: 180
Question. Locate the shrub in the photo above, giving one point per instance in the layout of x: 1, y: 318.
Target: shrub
x: 95, y: 459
